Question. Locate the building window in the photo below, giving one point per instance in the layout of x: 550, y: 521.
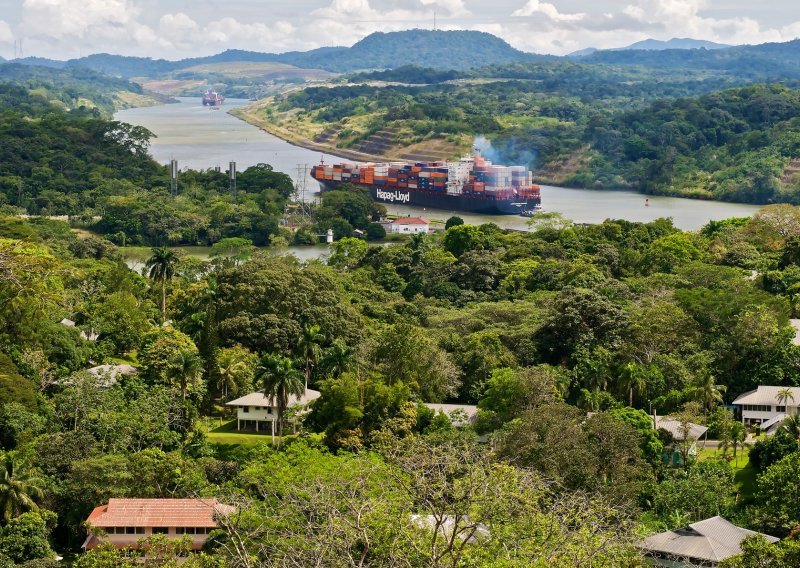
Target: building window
x: 160, y: 530
x: 780, y: 409
x: 245, y: 409
x: 130, y: 530
x: 269, y: 410
x: 757, y: 407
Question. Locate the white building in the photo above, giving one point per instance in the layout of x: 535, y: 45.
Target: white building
x: 767, y: 404
x: 410, y: 225
x: 257, y: 411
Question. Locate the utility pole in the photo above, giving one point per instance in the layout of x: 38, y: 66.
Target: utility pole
x: 232, y: 177
x: 173, y: 178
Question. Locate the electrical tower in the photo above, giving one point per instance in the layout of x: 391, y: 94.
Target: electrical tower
x: 300, y: 190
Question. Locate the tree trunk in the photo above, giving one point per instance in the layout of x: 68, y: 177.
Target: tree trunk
x: 280, y: 426
x: 630, y: 397
x: 163, y: 300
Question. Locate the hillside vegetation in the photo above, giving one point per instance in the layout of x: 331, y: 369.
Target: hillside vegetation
x: 732, y: 145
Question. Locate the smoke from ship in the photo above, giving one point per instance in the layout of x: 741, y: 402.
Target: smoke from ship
x: 511, y: 151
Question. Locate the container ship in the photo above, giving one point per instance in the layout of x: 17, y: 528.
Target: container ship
x: 212, y: 98
x: 471, y: 184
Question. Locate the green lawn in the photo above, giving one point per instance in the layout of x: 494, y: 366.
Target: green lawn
x: 744, y: 473
x: 220, y: 432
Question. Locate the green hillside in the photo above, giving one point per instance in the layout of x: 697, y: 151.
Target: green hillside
x: 731, y: 145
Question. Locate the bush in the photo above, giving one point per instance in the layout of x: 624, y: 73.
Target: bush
x: 454, y: 221
x: 375, y: 232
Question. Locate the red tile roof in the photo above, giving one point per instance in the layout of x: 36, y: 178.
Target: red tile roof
x: 157, y: 513
x: 411, y: 221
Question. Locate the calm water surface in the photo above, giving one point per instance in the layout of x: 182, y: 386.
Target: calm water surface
x: 201, y: 138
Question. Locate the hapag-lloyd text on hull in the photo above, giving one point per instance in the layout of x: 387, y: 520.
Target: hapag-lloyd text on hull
x: 392, y: 196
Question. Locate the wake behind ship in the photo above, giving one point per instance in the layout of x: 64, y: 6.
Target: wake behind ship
x: 471, y: 184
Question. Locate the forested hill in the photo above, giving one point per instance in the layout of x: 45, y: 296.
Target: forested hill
x: 733, y: 145
x: 766, y: 62
x: 458, y: 49
x: 73, y: 87
x: 437, y: 49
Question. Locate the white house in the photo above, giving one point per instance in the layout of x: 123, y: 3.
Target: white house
x: 766, y: 404
x: 257, y: 411
x: 410, y: 225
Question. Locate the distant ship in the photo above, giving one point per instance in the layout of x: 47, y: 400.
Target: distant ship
x: 212, y: 98
x: 471, y: 184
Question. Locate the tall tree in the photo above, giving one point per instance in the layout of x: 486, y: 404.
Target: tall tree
x: 281, y: 380
x: 18, y: 492
x: 309, y: 347
x: 161, y: 267
x: 186, y: 368
x: 707, y: 392
x: 338, y: 358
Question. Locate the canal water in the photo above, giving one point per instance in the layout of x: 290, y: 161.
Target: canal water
x: 201, y: 138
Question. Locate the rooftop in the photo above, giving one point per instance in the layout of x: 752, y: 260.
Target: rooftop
x: 411, y: 221
x: 158, y: 513
x: 674, y: 427
x: 711, y: 540
x: 260, y: 399
x: 768, y: 395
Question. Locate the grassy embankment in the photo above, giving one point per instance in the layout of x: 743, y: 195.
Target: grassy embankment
x: 352, y: 138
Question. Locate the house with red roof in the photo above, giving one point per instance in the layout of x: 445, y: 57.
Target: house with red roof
x: 123, y: 522
x: 410, y: 225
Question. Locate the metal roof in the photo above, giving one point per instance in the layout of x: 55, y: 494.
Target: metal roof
x: 768, y: 395
x: 674, y: 427
x: 158, y: 513
x: 259, y: 399
x: 711, y: 540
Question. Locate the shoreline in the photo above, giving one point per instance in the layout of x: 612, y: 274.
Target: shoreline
x: 302, y: 142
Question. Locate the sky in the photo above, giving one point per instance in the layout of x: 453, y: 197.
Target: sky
x: 173, y: 29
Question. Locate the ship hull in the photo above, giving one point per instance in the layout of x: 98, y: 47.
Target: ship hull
x: 442, y: 200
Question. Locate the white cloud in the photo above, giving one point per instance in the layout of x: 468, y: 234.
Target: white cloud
x: 176, y: 28
x: 549, y: 10
x: 6, y: 35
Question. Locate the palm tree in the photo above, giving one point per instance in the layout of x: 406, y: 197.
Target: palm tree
x: 784, y: 395
x: 791, y: 424
x: 281, y: 380
x: 228, y: 376
x: 18, y: 493
x: 707, y: 392
x: 186, y: 367
x: 338, y: 359
x: 309, y: 348
x: 738, y: 439
x: 161, y: 267
x: 635, y: 379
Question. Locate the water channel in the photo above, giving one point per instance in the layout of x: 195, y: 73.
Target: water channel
x: 201, y: 138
